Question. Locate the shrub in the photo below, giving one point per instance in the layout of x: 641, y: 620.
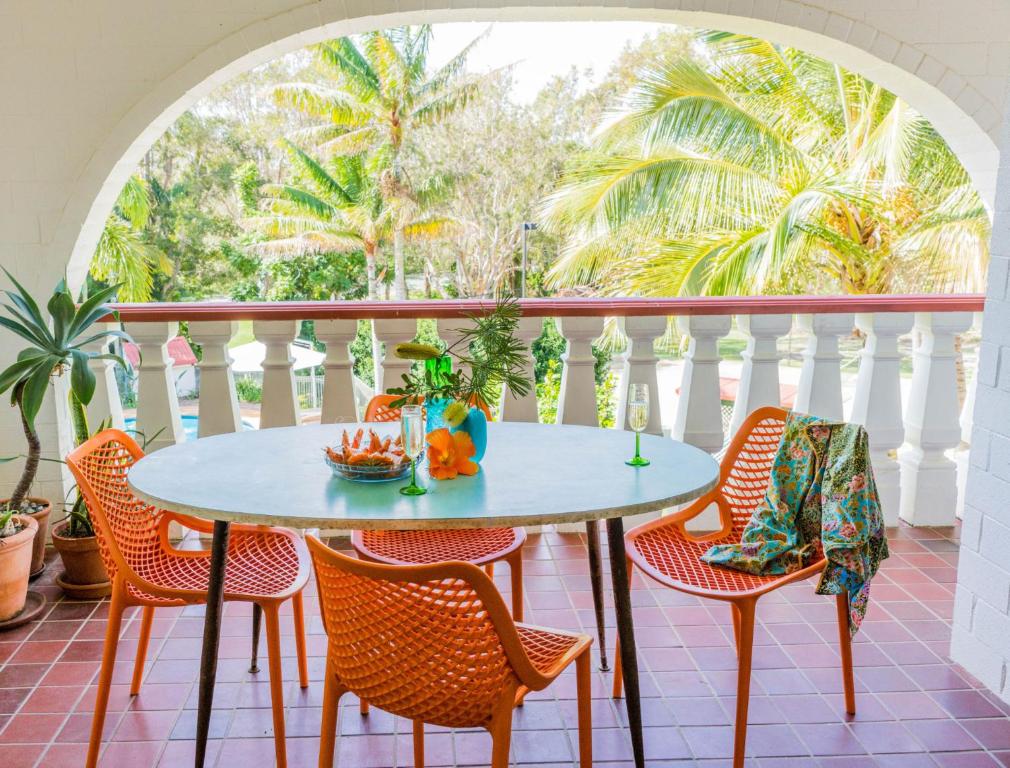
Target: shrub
x: 249, y: 390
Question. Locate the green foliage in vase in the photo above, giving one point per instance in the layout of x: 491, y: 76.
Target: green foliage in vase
x: 487, y: 355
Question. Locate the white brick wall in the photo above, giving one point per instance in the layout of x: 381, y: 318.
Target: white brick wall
x: 981, y: 636
x: 86, y: 87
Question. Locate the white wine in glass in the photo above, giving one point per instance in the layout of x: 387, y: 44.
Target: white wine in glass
x: 638, y: 420
x: 412, y: 433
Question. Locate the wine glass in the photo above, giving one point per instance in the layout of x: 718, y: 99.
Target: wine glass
x: 638, y: 419
x: 412, y: 431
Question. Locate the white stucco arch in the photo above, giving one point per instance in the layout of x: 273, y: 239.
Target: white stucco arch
x: 963, y: 114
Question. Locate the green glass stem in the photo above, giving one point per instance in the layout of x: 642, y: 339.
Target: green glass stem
x: 413, y: 489
x: 638, y: 461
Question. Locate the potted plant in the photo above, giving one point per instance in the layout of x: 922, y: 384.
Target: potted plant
x: 487, y: 356
x: 56, y: 346
x: 16, y: 535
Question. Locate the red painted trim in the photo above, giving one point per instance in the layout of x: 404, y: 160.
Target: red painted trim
x: 562, y: 307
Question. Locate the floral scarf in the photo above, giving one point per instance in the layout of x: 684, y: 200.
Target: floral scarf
x: 821, y: 496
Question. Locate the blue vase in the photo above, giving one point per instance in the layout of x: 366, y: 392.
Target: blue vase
x: 475, y: 425
x: 434, y: 409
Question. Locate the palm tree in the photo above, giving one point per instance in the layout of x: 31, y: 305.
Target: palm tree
x: 749, y: 168
x: 378, y: 92
x: 336, y: 207
x: 324, y: 210
x: 122, y: 255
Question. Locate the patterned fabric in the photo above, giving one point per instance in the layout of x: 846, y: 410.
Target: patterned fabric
x: 821, y: 500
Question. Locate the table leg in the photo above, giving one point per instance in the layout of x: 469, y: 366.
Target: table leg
x: 596, y: 576
x: 257, y: 620
x: 626, y: 633
x: 211, y: 635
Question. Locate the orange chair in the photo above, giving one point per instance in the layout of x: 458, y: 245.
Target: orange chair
x: 266, y: 566
x: 665, y: 551
x: 380, y: 408
x: 480, y: 546
x: 436, y: 644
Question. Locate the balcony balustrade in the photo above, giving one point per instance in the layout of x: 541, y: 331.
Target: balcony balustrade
x: 917, y: 446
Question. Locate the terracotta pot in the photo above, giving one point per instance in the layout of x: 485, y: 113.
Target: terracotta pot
x: 15, y: 565
x: 84, y: 575
x: 39, y: 542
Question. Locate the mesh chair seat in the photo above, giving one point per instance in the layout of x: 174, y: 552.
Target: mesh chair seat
x: 478, y: 546
x: 259, y: 565
x: 674, y: 560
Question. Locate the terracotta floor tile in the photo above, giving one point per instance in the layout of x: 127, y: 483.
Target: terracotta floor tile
x: 965, y: 704
x: 125, y: 753
x: 991, y: 733
x: 64, y: 756
x: 831, y: 739
x: 942, y: 735
x: 31, y: 729
x: 20, y: 754
x: 53, y: 699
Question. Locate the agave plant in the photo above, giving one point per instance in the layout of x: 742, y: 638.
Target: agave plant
x: 56, y: 346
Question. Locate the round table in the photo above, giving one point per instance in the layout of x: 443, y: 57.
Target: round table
x: 532, y: 474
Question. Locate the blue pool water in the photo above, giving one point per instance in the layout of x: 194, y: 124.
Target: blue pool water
x: 190, y: 426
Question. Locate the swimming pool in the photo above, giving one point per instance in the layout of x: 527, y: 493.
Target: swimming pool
x: 190, y: 426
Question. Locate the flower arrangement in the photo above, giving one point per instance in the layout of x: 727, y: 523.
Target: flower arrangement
x: 486, y: 355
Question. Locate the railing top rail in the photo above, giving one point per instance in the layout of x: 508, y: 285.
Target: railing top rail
x: 559, y: 307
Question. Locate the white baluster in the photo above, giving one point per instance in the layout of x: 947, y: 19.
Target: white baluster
x: 642, y: 333
x: 876, y: 403
x: 699, y: 407
x: 338, y: 381
x: 524, y: 408
x: 820, y: 389
x: 577, y: 399
x: 619, y: 363
x: 219, y: 410
x: 759, y: 376
x: 392, y: 331
x: 961, y: 457
x: 106, y: 405
x: 928, y: 477
x: 280, y: 398
x: 158, y: 418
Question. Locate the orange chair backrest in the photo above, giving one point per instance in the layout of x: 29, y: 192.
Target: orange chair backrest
x: 432, y: 642
x: 748, y: 461
x: 379, y: 408
x: 127, y: 528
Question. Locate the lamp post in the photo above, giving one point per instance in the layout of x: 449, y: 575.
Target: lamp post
x: 528, y: 226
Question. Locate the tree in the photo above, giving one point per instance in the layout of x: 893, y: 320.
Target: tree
x: 751, y: 168
x: 334, y: 209
x: 378, y: 93
x: 122, y: 255
x: 504, y: 158
x: 324, y: 210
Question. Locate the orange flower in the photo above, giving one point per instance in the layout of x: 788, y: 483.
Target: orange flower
x: 449, y: 454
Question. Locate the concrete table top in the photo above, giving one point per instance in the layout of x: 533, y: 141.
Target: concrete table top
x: 532, y: 474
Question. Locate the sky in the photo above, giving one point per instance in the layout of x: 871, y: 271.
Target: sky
x: 539, y: 50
